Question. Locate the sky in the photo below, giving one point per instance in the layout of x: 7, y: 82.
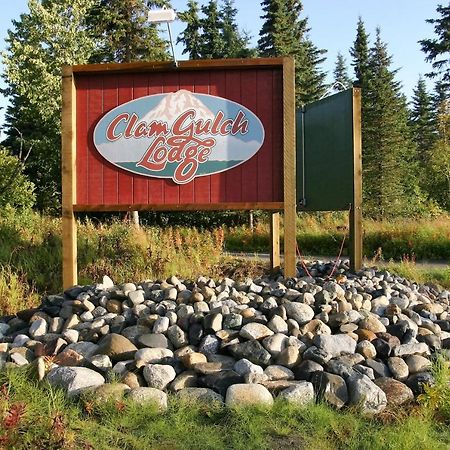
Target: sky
x: 332, y: 26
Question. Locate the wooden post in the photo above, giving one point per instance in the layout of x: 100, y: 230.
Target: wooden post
x: 290, y: 207
x: 355, y: 219
x: 275, y: 262
x: 69, y: 226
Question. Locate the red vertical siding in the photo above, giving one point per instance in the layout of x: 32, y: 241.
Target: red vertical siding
x: 125, y: 86
x: 94, y: 163
x: 257, y: 180
x: 202, y: 185
x: 110, y: 173
x: 82, y: 89
x: 140, y: 187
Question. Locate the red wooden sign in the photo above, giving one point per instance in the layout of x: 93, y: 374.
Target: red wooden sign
x: 101, y: 184
x: 204, y: 135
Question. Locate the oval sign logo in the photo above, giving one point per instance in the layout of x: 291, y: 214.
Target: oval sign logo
x: 179, y: 135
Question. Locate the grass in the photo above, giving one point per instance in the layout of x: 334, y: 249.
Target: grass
x: 35, y: 416
x: 30, y: 251
x: 322, y: 234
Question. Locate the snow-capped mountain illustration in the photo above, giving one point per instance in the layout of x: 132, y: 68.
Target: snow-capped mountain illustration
x: 174, y: 104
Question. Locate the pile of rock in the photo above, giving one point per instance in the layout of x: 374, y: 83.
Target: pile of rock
x: 364, y: 339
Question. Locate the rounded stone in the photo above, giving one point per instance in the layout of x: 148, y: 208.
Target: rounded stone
x: 417, y: 363
x: 159, y: 375
x: 397, y: 393
x: 248, y: 394
x: 366, y: 349
x: 300, y: 312
x: 300, y: 394
x: 372, y: 324
x: 398, y: 368
x: 152, y: 355
x: 117, y: 347
x: 255, y: 331
x: 149, y: 396
x: 189, y: 360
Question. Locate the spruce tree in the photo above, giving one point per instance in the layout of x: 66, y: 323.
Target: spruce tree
x: 214, y: 35
x: 423, y: 126
x: 191, y: 37
x: 389, y: 172
x: 213, y: 45
x: 123, y: 34
x: 438, y: 49
x: 360, y: 54
x: 284, y: 33
x: 235, y: 42
x: 341, y: 78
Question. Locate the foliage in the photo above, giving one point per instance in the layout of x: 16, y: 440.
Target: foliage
x: 341, y: 78
x: 360, y: 54
x: 440, y: 155
x: 423, y: 127
x: 284, y: 33
x: 438, y: 48
x: 15, y: 188
x: 191, y: 36
x: 52, y: 34
x: 121, y: 32
x: 215, y: 34
x: 44, y: 418
x: 390, y: 187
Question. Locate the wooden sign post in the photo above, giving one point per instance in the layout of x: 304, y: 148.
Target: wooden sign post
x: 205, y: 135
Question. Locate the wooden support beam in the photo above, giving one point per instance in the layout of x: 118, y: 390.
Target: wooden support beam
x: 69, y: 227
x: 355, y: 219
x: 290, y: 210
x: 275, y: 261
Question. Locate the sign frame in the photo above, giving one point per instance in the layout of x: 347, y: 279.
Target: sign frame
x: 69, y: 143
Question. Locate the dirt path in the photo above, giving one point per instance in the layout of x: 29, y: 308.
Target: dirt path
x: 423, y: 264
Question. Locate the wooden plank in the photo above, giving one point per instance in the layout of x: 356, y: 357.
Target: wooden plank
x: 290, y: 212
x: 233, y: 177
x: 202, y: 185
x: 277, y: 129
x: 155, y: 185
x: 126, y: 180
x: 181, y: 207
x: 187, y: 190
x: 275, y: 261
x: 182, y: 65
x: 82, y: 93
x: 69, y: 226
x: 140, y: 185
x: 217, y: 83
x: 110, y: 172
x: 95, y: 161
x: 265, y: 154
x: 171, y: 189
x: 355, y: 219
x: 249, y: 93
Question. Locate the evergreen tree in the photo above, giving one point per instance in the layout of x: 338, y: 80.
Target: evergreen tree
x: 360, y: 54
x: 438, y: 49
x: 440, y: 156
x: 341, y: 79
x: 389, y: 172
x: 123, y: 34
x: 284, y: 33
x: 52, y: 34
x: 423, y: 127
x: 213, y: 45
x: 235, y: 42
x: 191, y: 37
x: 215, y: 34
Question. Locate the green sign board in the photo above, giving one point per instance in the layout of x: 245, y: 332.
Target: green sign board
x: 326, y: 157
